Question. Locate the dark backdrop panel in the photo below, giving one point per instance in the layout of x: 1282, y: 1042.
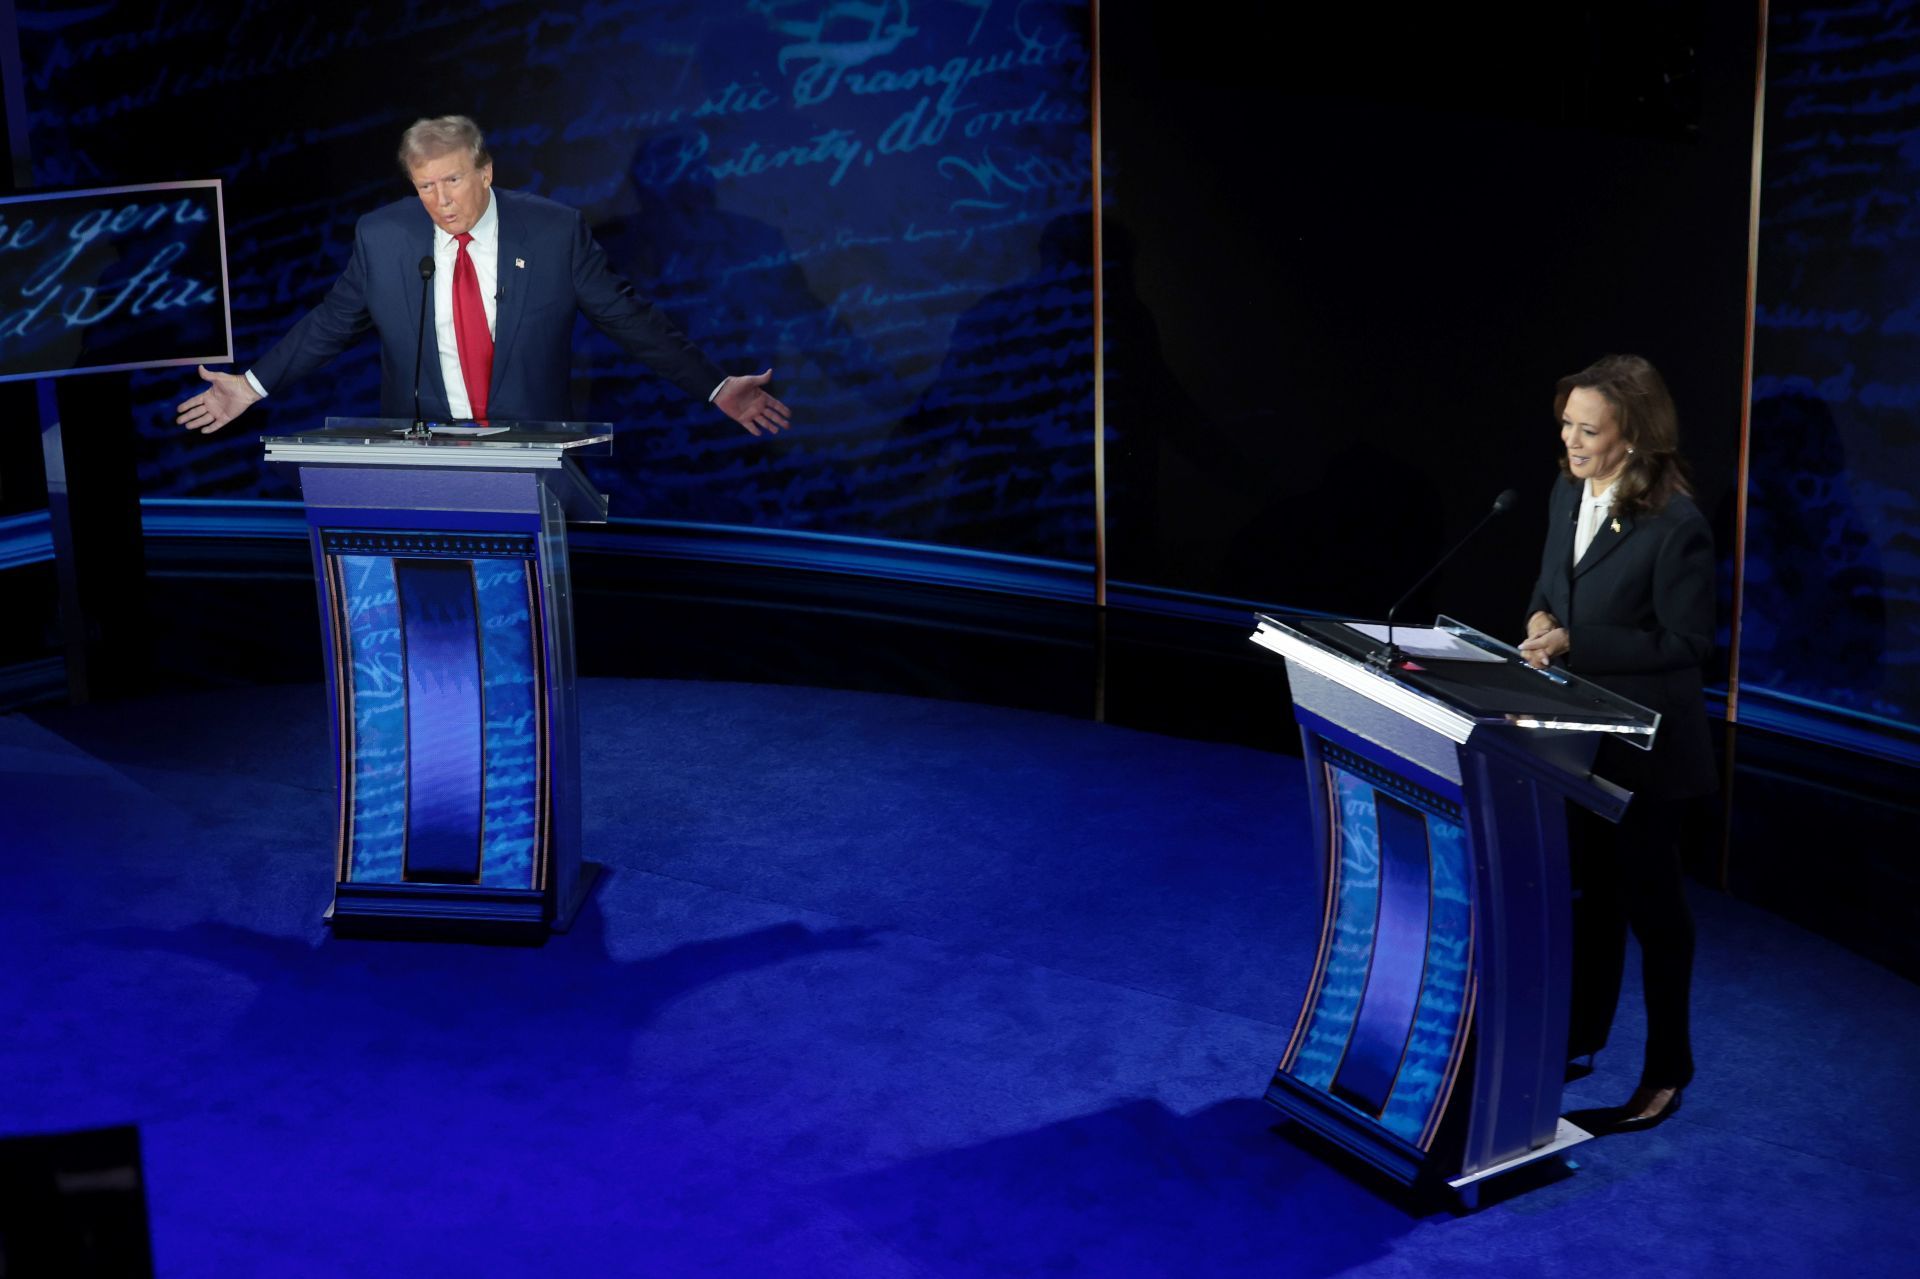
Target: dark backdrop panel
x: 1353, y: 253
x: 1833, y: 528
x: 885, y: 201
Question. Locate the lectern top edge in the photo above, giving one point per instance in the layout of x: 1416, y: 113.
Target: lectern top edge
x: 497, y: 433
x: 1453, y: 699
x: 382, y: 441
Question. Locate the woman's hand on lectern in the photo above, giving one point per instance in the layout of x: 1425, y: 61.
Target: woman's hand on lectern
x: 226, y: 398
x: 1541, y: 649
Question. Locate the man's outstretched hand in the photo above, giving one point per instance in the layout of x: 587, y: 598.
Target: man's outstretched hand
x: 225, y: 399
x: 744, y: 399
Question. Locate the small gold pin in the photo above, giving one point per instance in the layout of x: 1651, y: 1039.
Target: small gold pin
x: 1616, y: 526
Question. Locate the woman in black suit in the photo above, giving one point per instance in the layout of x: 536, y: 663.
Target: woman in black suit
x: 1625, y: 599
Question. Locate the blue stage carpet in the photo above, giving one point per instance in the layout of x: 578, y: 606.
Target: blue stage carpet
x: 876, y: 986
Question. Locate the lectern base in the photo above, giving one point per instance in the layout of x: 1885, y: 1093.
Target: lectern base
x: 454, y: 912
x: 1469, y: 1187
x: 583, y: 885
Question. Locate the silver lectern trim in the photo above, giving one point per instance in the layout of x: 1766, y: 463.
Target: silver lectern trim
x: 414, y: 455
x: 1390, y: 693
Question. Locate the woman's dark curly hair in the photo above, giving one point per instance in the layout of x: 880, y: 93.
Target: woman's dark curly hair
x: 1654, y: 470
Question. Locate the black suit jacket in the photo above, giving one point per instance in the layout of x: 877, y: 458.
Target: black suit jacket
x: 550, y: 269
x: 1638, y: 609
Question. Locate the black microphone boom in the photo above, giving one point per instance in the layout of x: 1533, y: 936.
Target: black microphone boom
x: 1501, y: 505
x: 420, y: 348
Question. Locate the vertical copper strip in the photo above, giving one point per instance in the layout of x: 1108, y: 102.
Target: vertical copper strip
x: 1099, y: 344
x: 342, y: 709
x: 1746, y: 365
x: 1746, y: 428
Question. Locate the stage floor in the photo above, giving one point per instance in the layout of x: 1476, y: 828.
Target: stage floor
x: 874, y: 986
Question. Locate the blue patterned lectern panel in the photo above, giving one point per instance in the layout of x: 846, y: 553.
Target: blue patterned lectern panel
x: 444, y: 729
x: 1384, y: 1026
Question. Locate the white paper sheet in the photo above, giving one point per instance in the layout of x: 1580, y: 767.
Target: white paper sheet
x: 1427, y: 641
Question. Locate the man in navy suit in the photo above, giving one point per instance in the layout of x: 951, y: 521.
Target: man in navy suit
x: 510, y: 270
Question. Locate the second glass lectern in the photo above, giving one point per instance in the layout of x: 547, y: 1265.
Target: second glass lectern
x: 447, y: 626
x: 1432, y: 1041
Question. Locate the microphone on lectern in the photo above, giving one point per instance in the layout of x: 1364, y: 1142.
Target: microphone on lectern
x: 1390, y: 655
x: 420, y: 348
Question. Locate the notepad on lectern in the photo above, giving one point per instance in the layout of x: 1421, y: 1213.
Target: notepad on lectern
x: 1427, y: 641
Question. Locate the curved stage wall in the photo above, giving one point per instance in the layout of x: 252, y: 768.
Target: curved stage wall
x: 889, y: 203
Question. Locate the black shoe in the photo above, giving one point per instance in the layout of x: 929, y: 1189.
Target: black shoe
x: 1649, y: 1107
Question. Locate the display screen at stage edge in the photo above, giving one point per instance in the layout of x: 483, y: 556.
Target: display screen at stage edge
x: 113, y: 278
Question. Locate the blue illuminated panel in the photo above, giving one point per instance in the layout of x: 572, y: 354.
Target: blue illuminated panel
x: 444, y: 719
x: 507, y: 625
x: 1385, y: 1024
x: 446, y: 716
x: 378, y: 755
x: 1355, y: 892
x: 1830, y: 598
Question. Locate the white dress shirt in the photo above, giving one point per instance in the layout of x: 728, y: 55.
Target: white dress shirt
x: 1595, y: 508
x: 485, y: 252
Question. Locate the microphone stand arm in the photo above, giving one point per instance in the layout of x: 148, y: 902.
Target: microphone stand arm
x: 1390, y: 655
x: 420, y: 430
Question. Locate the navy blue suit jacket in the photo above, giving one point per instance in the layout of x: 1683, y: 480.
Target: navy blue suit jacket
x: 1638, y: 609
x: 550, y: 268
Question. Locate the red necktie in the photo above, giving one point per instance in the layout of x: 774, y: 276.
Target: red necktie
x: 470, y: 333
